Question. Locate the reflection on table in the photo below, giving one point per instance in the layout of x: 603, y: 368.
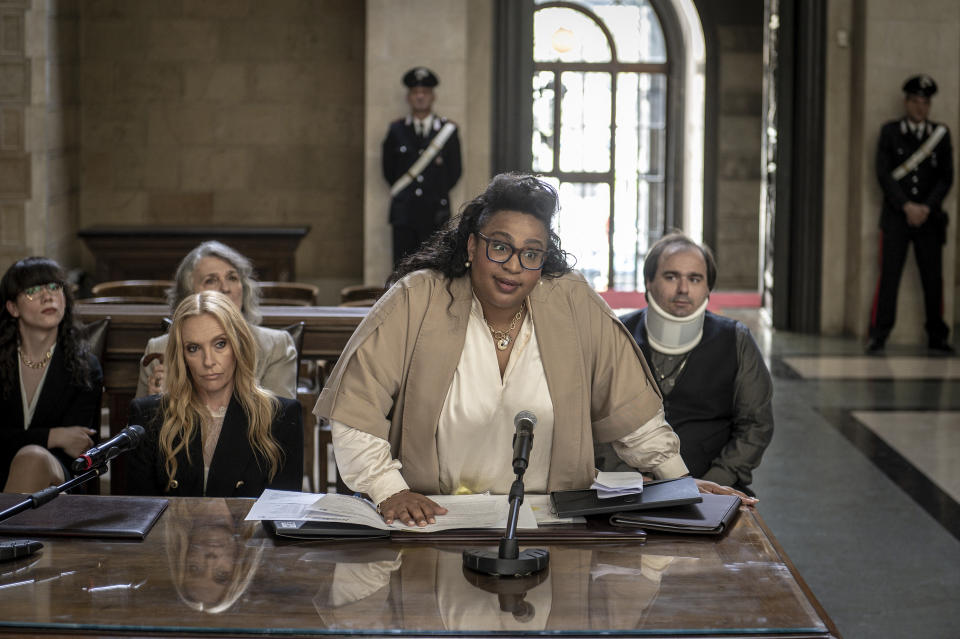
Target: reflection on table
x: 203, y: 569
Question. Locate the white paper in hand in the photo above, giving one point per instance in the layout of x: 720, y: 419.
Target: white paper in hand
x: 615, y: 484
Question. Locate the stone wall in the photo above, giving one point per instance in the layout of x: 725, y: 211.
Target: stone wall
x: 454, y: 39
x: 228, y: 112
x: 38, y: 130
x: 734, y: 31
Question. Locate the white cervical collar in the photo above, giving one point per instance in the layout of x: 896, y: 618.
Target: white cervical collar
x: 670, y: 334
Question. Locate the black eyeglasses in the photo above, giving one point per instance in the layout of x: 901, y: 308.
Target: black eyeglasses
x: 500, y: 251
x: 51, y: 287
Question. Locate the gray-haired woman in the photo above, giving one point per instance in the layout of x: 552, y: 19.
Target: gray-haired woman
x: 214, y: 266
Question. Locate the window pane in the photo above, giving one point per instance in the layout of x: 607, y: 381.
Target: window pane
x: 641, y: 118
x: 543, y: 137
x: 565, y: 35
x: 585, y: 122
x: 582, y: 225
x: 652, y: 118
x: 634, y: 25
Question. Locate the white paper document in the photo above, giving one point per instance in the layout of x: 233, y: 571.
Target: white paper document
x: 463, y: 511
x: 616, y: 484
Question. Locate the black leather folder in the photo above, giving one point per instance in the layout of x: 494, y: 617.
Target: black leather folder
x: 99, y: 516
x: 712, y: 516
x: 595, y: 530
x: 676, y: 492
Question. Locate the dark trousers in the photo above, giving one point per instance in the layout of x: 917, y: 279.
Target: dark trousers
x: 928, y: 250
x: 407, y: 240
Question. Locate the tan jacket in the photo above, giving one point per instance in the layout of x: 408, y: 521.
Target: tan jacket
x: 276, y: 361
x: 395, y: 385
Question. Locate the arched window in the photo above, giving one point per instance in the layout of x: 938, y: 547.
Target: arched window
x: 600, y: 114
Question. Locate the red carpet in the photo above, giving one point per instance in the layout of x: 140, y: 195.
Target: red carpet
x: 718, y: 299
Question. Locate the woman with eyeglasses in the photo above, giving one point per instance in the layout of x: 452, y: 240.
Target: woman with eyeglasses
x: 214, y: 266
x: 485, y: 321
x: 50, y: 383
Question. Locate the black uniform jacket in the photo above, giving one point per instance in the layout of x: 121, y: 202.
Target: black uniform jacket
x: 426, y: 200
x: 60, y: 404
x: 236, y: 471
x: 927, y: 184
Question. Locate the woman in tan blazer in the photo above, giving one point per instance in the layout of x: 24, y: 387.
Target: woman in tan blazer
x: 485, y: 321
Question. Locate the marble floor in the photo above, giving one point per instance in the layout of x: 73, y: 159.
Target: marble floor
x: 861, y: 483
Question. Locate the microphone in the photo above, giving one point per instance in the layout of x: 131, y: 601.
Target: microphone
x: 125, y: 440
x: 523, y: 440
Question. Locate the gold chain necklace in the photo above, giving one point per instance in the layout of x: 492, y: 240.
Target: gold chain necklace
x: 43, y: 362
x: 502, y: 338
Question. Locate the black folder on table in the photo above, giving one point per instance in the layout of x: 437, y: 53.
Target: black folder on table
x: 711, y: 516
x: 662, y: 494
x: 98, y: 516
x: 596, y: 530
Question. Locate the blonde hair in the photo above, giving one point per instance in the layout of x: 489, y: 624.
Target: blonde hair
x: 182, y: 407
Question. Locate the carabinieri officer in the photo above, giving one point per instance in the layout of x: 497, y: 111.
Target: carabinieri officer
x: 915, y: 169
x: 421, y: 162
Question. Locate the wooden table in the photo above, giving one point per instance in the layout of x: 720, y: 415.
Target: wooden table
x: 204, y: 571
x: 326, y: 331
x: 153, y: 252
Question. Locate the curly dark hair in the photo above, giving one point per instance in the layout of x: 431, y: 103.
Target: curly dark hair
x: 28, y: 272
x: 446, y: 250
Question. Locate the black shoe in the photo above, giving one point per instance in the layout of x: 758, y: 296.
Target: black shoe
x: 941, y: 346
x: 875, y: 345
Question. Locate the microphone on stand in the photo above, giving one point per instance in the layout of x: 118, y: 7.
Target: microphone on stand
x: 126, y: 439
x: 89, y: 465
x: 510, y: 561
x: 523, y: 440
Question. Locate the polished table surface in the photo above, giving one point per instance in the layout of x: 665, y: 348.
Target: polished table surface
x: 203, y: 571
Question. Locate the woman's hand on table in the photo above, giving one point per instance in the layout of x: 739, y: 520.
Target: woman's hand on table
x: 716, y: 489
x: 410, y: 508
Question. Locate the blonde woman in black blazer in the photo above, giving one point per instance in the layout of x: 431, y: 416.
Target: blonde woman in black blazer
x: 215, y: 432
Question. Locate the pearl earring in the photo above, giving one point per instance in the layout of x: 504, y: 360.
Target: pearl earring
x: 467, y: 263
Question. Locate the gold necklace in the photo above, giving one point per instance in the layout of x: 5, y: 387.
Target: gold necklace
x: 502, y: 338
x: 43, y: 362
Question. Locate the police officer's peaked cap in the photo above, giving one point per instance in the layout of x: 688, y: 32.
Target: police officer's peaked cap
x: 420, y: 77
x: 920, y: 85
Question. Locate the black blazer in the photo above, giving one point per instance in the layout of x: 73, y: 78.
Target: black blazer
x: 236, y: 471
x: 927, y: 184
x: 60, y: 404
x: 425, y: 202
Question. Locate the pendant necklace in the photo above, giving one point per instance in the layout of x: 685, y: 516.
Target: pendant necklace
x: 38, y: 364
x: 502, y: 338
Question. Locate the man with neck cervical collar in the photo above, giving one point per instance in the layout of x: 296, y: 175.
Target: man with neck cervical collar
x: 716, y: 388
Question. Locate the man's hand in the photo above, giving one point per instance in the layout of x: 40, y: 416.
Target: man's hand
x: 916, y: 213
x: 410, y: 507
x: 716, y: 489
x: 74, y: 440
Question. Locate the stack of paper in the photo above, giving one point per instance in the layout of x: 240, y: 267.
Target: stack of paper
x: 615, y: 484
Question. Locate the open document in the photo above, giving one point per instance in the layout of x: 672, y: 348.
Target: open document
x: 332, y: 515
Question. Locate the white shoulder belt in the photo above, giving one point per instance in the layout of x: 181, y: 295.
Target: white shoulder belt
x: 436, y: 144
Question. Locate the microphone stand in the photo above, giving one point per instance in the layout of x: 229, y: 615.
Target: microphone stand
x: 41, y: 497
x: 510, y: 561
